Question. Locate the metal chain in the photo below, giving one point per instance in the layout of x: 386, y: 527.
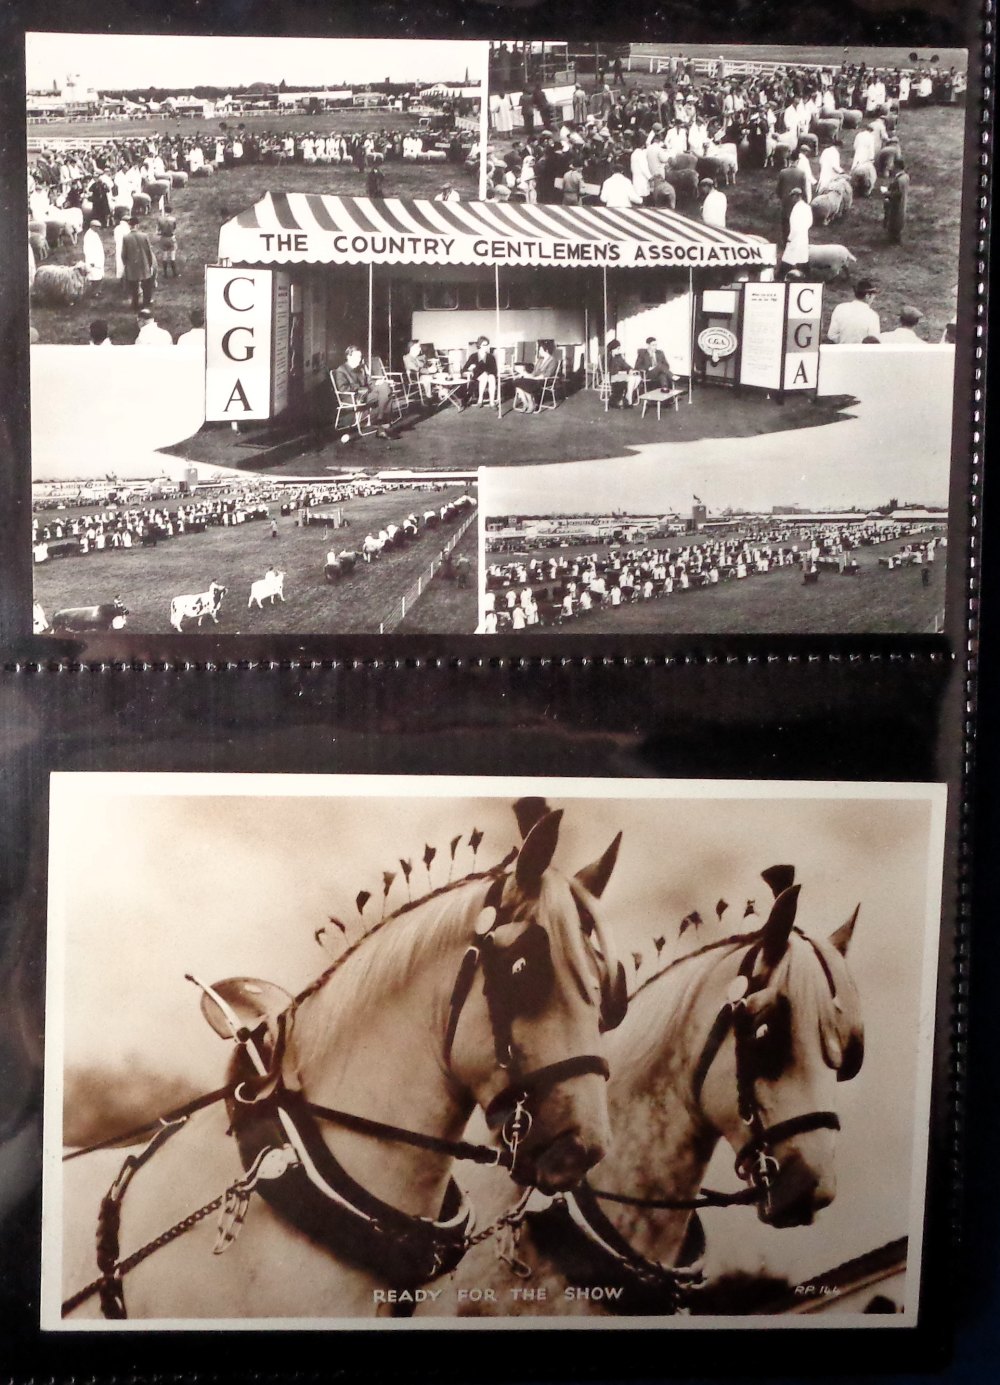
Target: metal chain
x: 512, y: 1217
x: 136, y: 1258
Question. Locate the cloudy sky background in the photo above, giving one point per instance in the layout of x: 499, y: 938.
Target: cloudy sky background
x: 147, y: 887
x: 104, y: 61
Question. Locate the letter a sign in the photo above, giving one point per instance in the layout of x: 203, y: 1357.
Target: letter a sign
x: 237, y: 343
x: 803, y: 314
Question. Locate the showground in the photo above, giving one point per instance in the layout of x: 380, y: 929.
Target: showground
x: 362, y: 602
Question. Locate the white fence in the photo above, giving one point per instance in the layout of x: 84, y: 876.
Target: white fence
x: 415, y: 590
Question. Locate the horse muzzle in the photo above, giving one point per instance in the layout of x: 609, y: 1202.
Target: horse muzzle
x: 561, y: 1164
x: 794, y: 1195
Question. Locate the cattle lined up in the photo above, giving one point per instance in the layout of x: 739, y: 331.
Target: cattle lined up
x: 376, y: 545
x: 555, y: 589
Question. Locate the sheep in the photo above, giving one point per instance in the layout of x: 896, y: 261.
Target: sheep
x: 826, y: 207
x: 141, y: 202
x: 58, y: 231
x: 777, y: 155
x: 685, y: 185
x: 710, y: 167
x: 39, y: 247
x: 827, y: 131
x: 885, y: 159
x: 178, y: 179
x: 679, y: 161
x: 842, y: 186
x: 203, y: 171
x: 810, y: 143
x: 852, y: 119
x: 863, y: 179
x: 58, y: 285
x: 36, y: 228
x: 728, y: 155
x: 830, y: 261
x: 156, y: 189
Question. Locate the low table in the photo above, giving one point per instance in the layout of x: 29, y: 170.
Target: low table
x: 659, y: 398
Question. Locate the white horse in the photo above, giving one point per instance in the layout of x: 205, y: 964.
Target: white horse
x: 494, y: 991
x: 744, y: 1039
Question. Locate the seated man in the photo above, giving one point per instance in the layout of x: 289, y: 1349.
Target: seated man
x: 356, y: 386
x: 530, y: 381
x: 655, y: 366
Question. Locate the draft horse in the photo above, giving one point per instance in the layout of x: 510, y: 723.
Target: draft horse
x: 743, y: 1040
x: 323, y: 1166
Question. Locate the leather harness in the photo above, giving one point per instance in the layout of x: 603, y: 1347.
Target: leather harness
x: 286, y: 1160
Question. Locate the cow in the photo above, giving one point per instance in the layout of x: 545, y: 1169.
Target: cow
x: 341, y: 565
x: 110, y: 615
x: 271, y: 585
x: 197, y: 607
x: 372, y: 548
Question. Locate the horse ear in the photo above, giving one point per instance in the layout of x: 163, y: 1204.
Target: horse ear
x: 778, y: 878
x: 596, y: 876
x: 841, y: 937
x: 528, y: 811
x: 777, y: 930
x: 537, y: 852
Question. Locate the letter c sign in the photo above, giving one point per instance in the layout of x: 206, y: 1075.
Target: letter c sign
x: 227, y: 294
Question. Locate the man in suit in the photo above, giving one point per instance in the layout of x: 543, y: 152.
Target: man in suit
x: 139, y: 265
x: 354, y: 384
x: 655, y: 366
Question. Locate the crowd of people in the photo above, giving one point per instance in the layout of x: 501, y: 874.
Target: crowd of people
x: 124, y: 185
x: 622, y: 146
x: 122, y: 524
x: 555, y: 588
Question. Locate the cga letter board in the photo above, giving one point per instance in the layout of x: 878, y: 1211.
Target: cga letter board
x: 239, y: 343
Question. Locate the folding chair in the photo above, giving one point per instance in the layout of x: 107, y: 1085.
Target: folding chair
x: 547, y: 399
x: 361, y: 414
x: 400, y: 394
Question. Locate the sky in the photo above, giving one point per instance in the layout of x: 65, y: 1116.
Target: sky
x: 896, y: 441
x: 118, y: 60
x: 223, y: 885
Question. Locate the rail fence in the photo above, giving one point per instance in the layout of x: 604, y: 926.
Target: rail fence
x: 416, y: 589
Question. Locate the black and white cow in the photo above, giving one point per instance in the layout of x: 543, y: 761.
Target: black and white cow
x: 110, y: 615
x: 197, y: 607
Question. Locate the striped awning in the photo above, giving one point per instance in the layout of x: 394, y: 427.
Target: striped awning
x: 310, y: 228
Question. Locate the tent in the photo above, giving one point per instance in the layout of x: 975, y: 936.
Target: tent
x: 311, y: 229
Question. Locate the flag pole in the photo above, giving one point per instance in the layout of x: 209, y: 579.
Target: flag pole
x: 496, y: 290
x: 691, y: 334
x: 371, y: 276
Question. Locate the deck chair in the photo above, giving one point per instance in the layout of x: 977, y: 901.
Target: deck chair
x: 347, y: 404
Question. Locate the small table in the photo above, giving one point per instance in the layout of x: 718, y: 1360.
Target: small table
x: 659, y: 398
x: 448, y: 388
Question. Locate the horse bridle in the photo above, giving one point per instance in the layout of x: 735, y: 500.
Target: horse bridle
x: 756, y: 1162
x: 517, y: 980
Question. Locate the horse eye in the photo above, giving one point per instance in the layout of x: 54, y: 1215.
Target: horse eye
x: 761, y: 1032
x: 518, y: 966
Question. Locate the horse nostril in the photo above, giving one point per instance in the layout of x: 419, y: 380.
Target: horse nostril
x: 795, y: 1195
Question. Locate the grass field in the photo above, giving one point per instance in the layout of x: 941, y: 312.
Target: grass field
x: 445, y: 605
x: 876, y: 601
x: 147, y: 578
x: 203, y: 206
x: 923, y: 270
x: 328, y: 122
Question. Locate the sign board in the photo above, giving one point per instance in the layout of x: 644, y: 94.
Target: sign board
x: 762, y: 336
x: 281, y: 343
x: 803, y: 312
x: 717, y: 342
x: 779, y: 347
x: 238, y: 336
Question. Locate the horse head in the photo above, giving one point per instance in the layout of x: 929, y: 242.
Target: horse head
x: 787, y: 1029
x: 543, y: 984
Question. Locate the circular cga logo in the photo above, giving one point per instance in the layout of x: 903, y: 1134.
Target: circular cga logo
x: 717, y: 342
